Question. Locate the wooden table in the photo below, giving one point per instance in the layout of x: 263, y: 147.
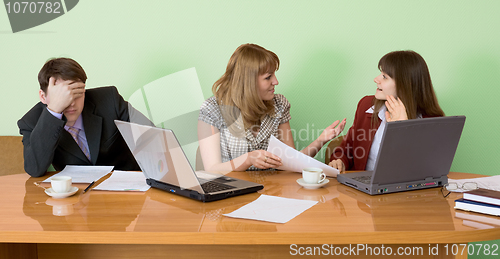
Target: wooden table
x: 157, y: 224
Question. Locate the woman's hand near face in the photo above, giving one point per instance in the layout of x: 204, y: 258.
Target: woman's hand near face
x: 396, y: 110
x: 263, y: 159
x: 338, y: 164
x: 332, y: 131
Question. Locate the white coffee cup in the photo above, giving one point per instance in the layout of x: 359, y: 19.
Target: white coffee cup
x: 313, y: 175
x: 61, y: 184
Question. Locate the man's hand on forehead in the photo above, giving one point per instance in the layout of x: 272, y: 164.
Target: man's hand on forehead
x: 62, y: 93
x: 73, y: 84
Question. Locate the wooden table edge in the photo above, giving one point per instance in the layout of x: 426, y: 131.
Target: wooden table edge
x: 250, y: 238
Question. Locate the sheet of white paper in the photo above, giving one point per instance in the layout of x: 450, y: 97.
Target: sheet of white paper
x: 491, y: 182
x: 83, y: 173
x: 124, y: 181
x: 272, y: 209
x: 294, y: 160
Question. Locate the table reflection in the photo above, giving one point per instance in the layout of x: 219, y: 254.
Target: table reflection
x: 165, y: 209
x: 61, y: 207
x: 92, y: 211
x: 387, y: 210
x: 340, y: 207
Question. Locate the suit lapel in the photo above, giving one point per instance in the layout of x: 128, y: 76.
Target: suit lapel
x: 93, y: 127
x: 69, y: 145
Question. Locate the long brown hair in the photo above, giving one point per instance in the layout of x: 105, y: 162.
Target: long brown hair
x: 238, y: 86
x: 413, y: 84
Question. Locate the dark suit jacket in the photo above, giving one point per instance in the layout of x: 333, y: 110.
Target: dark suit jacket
x: 47, y: 142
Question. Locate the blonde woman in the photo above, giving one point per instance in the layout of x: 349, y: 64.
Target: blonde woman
x: 235, y: 125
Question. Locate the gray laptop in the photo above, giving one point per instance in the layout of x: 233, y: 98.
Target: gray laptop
x: 414, y: 154
x: 163, y: 162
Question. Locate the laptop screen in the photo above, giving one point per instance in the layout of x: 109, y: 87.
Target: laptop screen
x: 417, y: 149
x: 159, y: 155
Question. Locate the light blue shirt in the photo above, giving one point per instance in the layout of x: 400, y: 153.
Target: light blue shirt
x: 377, y: 139
x: 78, y: 124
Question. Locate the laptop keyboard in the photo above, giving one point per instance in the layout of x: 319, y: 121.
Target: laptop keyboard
x: 363, y: 179
x: 209, y: 187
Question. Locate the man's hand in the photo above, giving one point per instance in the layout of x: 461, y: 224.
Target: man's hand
x: 61, y: 94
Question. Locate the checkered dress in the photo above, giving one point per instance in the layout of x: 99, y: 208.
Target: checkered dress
x: 235, y: 145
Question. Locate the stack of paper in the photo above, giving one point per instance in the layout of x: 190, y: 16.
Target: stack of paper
x: 490, y: 182
x: 294, y: 160
x: 124, y: 181
x: 83, y: 173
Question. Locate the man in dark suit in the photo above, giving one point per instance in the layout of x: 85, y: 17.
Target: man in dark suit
x: 74, y: 126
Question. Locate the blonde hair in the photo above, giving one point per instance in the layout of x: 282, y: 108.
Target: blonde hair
x: 238, y: 86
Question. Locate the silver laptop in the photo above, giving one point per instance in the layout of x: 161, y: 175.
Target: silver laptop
x: 163, y: 162
x: 414, y: 154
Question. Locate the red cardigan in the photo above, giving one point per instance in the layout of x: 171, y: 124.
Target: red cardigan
x: 355, y: 147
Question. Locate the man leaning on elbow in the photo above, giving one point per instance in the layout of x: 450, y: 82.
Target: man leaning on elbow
x: 72, y: 125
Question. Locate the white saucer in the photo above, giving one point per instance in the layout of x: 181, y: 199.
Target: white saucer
x: 312, y: 185
x: 56, y: 195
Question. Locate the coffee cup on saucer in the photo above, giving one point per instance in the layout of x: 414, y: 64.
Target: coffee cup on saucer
x: 61, y: 184
x: 313, y: 175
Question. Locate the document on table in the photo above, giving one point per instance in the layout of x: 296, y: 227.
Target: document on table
x: 272, y: 209
x: 83, y: 173
x: 294, y: 160
x: 490, y: 183
x: 124, y: 181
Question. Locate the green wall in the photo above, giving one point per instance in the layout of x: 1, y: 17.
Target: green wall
x: 329, y: 52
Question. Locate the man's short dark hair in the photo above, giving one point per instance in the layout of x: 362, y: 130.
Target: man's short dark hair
x: 60, y: 68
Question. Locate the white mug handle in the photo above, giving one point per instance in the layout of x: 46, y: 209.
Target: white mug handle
x: 323, y: 177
